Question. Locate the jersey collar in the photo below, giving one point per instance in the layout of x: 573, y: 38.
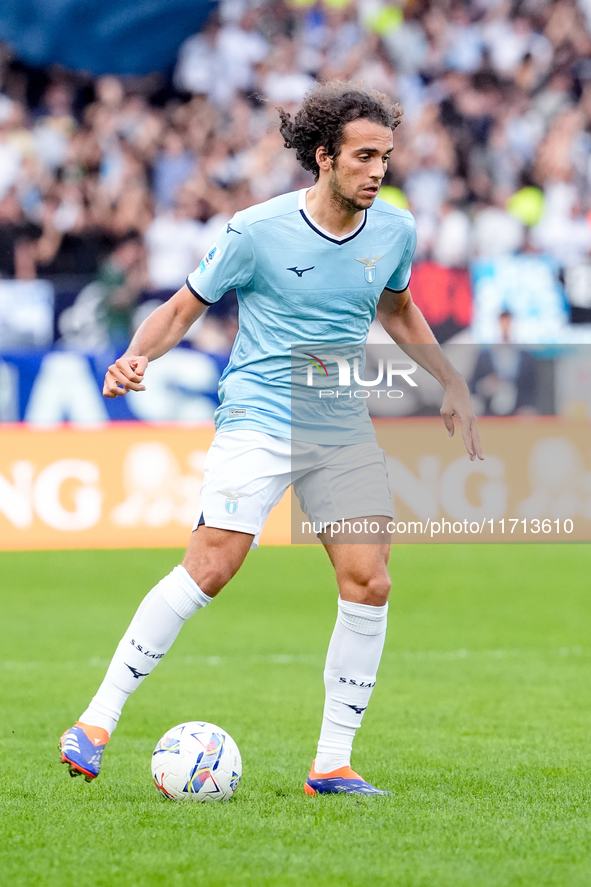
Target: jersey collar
x: 315, y: 227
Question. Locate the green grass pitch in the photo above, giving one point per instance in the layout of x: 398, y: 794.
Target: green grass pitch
x: 480, y: 724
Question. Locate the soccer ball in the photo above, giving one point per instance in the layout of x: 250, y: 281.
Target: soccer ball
x: 196, y: 761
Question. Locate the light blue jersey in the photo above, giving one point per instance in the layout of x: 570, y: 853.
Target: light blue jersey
x: 298, y: 285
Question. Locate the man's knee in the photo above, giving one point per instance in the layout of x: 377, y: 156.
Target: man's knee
x: 210, y: 570
x: 214, y: 557
x: 377, y: 590
x: 370, y: 588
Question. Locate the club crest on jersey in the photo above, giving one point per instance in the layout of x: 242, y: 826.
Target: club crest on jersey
x: 213, y: 253
x: 370, y: 266
x: 231, y: 503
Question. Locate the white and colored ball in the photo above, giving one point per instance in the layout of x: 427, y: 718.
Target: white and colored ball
x: 196, y: 761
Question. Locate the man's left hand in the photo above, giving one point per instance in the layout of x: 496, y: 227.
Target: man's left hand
x: 457, y: 403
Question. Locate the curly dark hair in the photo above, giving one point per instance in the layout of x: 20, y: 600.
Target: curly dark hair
x: 325, y: 112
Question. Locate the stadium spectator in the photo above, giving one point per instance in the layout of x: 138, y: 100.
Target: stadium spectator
x: 220, y: 61
x: 103, y: 312
x: 172, y: 167
x: 505, y: 378
x: 174, y: 243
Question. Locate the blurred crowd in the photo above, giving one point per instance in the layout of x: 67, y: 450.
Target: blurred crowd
x: 124, y: 182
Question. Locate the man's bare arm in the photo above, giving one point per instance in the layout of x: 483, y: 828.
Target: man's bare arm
x: 404, y: 322
x: 161, y: 330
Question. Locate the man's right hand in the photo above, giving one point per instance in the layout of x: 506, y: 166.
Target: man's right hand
x: 126, y: 374
x: 158, y: 333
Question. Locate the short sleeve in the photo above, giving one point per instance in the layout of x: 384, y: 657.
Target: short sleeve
x: 228, y: 263
x: 401, y: 277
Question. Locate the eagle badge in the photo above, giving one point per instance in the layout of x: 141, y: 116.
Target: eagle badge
x: 370, y: 266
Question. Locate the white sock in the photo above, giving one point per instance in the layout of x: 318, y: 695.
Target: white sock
x: 153, y: 629
x: 352, y: 661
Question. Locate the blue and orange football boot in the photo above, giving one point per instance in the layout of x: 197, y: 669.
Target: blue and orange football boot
x: 82, y: 748
x: 343, y: 781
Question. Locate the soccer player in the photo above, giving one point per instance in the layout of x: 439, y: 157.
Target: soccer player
x: 309, y: 267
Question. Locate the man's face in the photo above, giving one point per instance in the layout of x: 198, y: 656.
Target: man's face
x: 356, y: 174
